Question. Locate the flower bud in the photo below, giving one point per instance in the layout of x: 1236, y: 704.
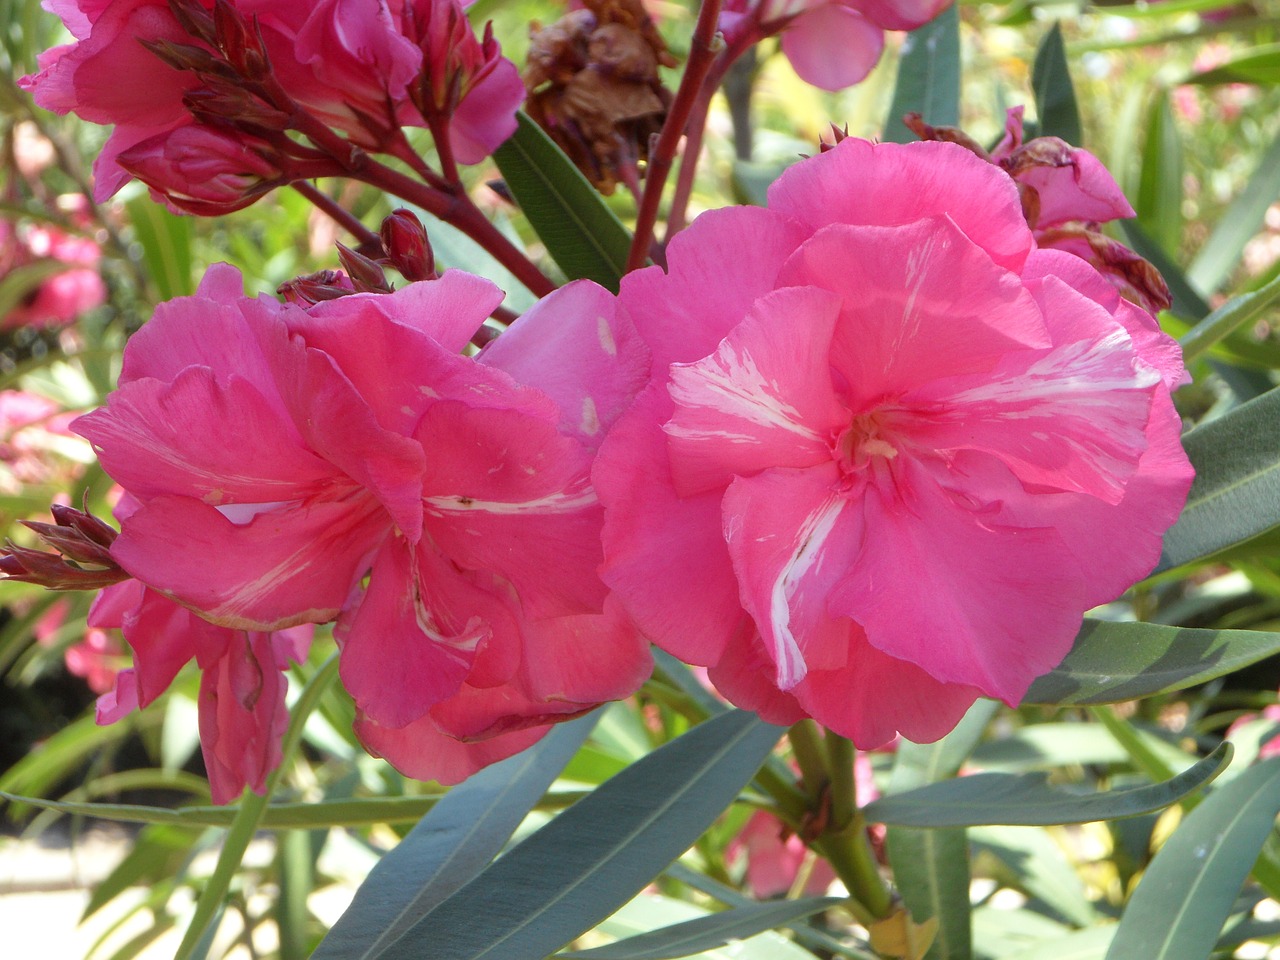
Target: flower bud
x: 82, y: 560
x: 365, y: 273
x: 408, y: 248
x: 315, y: 287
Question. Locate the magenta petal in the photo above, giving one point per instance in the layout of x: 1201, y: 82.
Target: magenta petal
x: 159, y: 438
x: 118, y: 701
x: 1080, y: 190
x: 832, y: 46
x: 791, y: 538
x: 906, y: 321
x: 665, y: 556
x: 864, y: 183
x: 508, y: 494
x: 945, y: 582
x: 401, y: 656
x: 714, y: 279
x: 763, y: 399
x: 744, y: 675
x: 578, y: 348
x: 486, y: 117
x: 900, y: 14
x: 421, y: 751
x: 289, y: 565
x: 242, y: 716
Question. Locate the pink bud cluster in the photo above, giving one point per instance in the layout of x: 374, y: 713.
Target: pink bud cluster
x: 203, y: 93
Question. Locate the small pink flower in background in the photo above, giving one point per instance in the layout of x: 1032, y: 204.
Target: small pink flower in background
x: 36, y: 442
x: 97, y: 658
x: 831, y: 44
x: 242, y: 687
x: 459, y: 486
x: 59, y: 299
x: 361, y: 66
x: 1272, y: 747
x: 892, y: 451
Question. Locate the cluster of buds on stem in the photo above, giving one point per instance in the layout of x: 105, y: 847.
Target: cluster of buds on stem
x: 404, y: 246
x: 82, y: 558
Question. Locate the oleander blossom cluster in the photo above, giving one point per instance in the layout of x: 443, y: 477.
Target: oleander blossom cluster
x: 892, y: 449
x: 201, y: 93
x: 288, y: 465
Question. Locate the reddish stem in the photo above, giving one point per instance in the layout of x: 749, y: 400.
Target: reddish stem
x: 702, y: 54
x: 338, y: 213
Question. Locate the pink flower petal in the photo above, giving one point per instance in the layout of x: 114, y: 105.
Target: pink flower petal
x: 832, y: 46
x: 421, y: 751
x: 763, y: 399
x: 883, y: 184
x: 585, y: 659
x: 580, y: 350
x: 294, y: 564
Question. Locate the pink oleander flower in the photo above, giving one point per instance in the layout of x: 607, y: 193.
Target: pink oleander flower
x: 891, y: 451
x: 458, y: 486
x: 61, y: 298
x: 831, y: 44
x: 1066, y: 195
x: 242, y: 685
x: 364, y: 67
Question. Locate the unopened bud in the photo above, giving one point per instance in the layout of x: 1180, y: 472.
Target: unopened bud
x: 366, y: 274
x: 194, y: 19
x: 240, y: 41
x: 408, y: 249
x: 83, y: 559
x: 315, y: 287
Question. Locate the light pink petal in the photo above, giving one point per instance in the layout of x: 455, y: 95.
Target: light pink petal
x: 422, y: 752
x: 832, y: 47
x: 792, y: 540
x: 714, y: 279
x: 242, y: 716
x: 579, y: 349
x: 946, y: 583
x: 906, y: 320
x: 120, y: 700
x: 282, y: 567
x: 585, y: 659
x: 1080, y: 189
x: 890, y: 184
x: 763, y: 399
x: 664, y: 556
x: 901, y: 14
x: 401, y: 653
x: 156, y: 438
x: 486, y: 117
x: 1071, y: 418
x: 509, y: 494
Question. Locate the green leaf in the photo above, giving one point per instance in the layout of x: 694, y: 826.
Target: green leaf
x: 1220, y: 254
x: 166, y: 246
x: 1260, y: 65
x: 931, y: 867
x: 1090, y: 944
x: 598, y: 854
x: 928, y: 77
x: 464, y: 831
x: 1044, y: 746
x: 1112, y: 662
x: 1187, y: 893
x: 581, y: 233
x: 1029, y: 800
x: 1159, y: 201
x: 1229, y: 317
x: 1055, y: 96
x: 706, y: 933
x: 1236, y: 493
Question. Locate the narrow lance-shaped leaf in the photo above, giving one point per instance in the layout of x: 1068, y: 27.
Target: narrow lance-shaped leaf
x: 455, y: 841
x: 598, y: 854
x: 1187, y: 893
x: 1236, y: 493
x: 705, y: 933
x: 1112, y: 662
x: 1028, y: 800
x: 580, y: 231
x: 1159, y: 200
x: 928, y: 77
x: 1055, y: 96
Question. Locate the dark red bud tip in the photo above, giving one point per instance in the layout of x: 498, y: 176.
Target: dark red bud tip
x: 240, y: 41
x: 407, y: 246
x: 315, y: 287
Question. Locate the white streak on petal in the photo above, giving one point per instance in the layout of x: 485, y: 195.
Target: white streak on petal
x: 812, y: 538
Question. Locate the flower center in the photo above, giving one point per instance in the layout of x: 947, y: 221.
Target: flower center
x: 868, y: 442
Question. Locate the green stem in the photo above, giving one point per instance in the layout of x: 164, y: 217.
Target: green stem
x: 844, y: 792
x: 806, y: 745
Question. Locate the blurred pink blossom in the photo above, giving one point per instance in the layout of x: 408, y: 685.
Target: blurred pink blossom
x: 58, y: 299
x: 891, y: 451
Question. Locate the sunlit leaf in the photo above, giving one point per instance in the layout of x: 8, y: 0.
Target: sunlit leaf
x: 928, y: 77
